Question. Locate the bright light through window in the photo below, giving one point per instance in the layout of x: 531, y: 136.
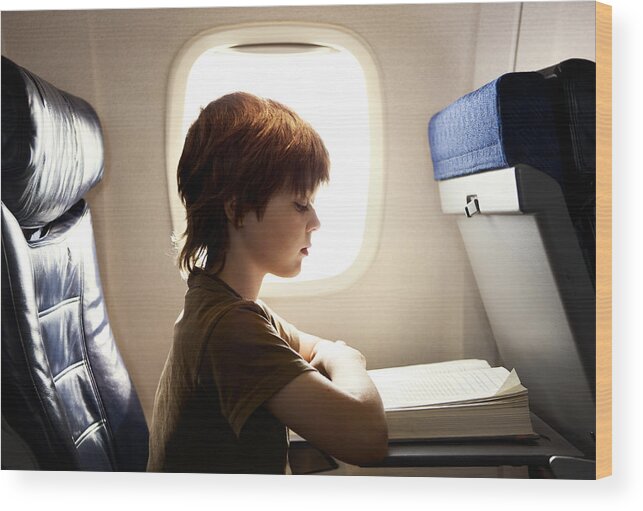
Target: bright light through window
x: 327, y: 89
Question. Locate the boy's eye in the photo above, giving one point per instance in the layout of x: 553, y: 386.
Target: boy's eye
x: 301, y: 207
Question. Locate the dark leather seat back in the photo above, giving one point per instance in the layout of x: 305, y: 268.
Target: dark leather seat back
x: 68, y: 402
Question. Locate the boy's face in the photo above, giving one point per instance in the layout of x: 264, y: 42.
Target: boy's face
x: 279, y: 242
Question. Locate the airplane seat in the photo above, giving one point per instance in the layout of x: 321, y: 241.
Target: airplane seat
x: 515, y: 163
x: 68, y: 402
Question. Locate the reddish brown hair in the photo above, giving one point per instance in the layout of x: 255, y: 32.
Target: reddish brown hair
x: 241, y: 149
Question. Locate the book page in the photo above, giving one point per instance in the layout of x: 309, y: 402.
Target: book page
x: 412, y: 371
x: 511, y: 385
x: 415, y: 386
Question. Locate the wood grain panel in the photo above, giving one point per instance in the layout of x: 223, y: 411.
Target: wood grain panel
x: 603, y: 240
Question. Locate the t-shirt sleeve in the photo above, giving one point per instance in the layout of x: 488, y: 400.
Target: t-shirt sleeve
x: 286, y: 330
x: 249, y: 361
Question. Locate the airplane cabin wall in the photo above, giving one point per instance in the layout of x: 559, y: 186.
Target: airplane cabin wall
x: 419, y: 301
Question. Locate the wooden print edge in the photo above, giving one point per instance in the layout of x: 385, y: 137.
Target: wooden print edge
x: 603, y: 240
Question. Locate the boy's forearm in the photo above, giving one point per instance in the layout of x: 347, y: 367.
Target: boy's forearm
x: 347, y: 374
x: 354, y: 379
x: 371, y: 419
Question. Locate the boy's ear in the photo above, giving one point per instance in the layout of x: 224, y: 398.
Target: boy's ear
x: 229, y: 209
x: 230, y: 206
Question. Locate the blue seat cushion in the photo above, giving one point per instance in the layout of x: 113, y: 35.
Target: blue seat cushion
x: 507, y: 121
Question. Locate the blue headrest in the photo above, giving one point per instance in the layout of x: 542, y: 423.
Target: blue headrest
x: 52, y: 147
x: 507, y: 121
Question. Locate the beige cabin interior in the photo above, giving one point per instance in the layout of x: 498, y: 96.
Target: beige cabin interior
x: 418, y: 300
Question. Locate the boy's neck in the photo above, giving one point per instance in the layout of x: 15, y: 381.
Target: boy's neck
x: 244, y: 282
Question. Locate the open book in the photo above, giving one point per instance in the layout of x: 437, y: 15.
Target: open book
x: 457, y: 399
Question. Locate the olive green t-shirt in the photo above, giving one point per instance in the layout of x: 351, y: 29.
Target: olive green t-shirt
x: 228, y: 357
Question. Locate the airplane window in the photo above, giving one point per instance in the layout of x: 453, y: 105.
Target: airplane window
x: 327, y: 86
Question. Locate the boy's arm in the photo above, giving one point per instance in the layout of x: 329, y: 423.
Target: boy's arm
x: 340, y: 412
x: 337, y: 409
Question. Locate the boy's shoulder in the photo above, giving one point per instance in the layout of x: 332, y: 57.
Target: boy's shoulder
x: 211, y: 301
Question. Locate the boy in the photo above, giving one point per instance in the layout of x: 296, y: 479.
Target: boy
x: 237, y: 375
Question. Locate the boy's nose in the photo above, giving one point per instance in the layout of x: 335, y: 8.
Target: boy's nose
x: 314, y: 223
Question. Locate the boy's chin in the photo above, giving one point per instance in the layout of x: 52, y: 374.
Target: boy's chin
x: 288, y: 274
